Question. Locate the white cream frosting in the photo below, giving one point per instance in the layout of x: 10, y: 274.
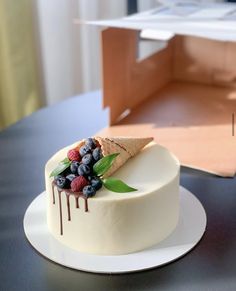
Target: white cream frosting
x: 121, y: 223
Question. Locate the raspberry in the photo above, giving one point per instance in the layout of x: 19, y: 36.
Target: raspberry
x: 98, y: 144
x: 78, y: 184
x: 73, y: 155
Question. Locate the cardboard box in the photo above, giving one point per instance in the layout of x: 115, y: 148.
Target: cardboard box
x: 185, y: 94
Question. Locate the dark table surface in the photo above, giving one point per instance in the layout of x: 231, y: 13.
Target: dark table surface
x: 24, y: 149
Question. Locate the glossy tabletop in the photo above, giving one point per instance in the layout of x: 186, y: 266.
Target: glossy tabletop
x: 24, y: 149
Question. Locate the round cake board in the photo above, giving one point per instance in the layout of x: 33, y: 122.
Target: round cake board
x: 190, y: 229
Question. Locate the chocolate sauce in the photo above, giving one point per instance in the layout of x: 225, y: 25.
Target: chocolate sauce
x: 85, y: 203
x: 77, y: 201
x: 68, y: 205
x: 68, y: 192
x: 61, y: 224
x: 53, y: 194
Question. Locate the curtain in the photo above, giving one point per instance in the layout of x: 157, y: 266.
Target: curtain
x: 19, y: 89
x: 70, y: 53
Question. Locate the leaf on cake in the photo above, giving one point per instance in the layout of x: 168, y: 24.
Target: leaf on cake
x: 64, y: 164
x: 103, y: 165
x: 117, y: 185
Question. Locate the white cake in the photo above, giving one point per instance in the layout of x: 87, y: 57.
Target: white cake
x: 119, y: 223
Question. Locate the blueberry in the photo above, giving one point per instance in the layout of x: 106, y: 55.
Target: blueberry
x: 89, y: 191
x: 85, y: 149
x: 74, y: 167
x: 90, y: 142
x: 62, y: 182
x: 97, y: 154
x: 71, y: 177
x: 84, y: 170
x: 96, y: 182
x: 87, y: 159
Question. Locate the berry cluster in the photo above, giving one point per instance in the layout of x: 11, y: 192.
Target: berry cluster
x: 79, y: 177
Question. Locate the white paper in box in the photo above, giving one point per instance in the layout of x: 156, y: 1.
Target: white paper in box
x: 213, y: 21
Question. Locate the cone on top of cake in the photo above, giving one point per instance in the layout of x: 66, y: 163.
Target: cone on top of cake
x: 91, y: 163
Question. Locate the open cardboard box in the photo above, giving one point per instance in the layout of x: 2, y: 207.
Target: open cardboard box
x: 184, y: 95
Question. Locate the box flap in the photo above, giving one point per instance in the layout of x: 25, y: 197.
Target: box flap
x: 214, y: 21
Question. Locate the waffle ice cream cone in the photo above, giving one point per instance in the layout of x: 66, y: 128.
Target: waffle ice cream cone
x: 127, y: 147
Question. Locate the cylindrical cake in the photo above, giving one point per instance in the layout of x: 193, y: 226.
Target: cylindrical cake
x: 118, y: 223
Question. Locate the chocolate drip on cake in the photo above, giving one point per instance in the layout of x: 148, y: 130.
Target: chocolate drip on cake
x: 77, y: 201
x: 68, y: 192
x: 53, y: 193
x: 68, y: 205
x: 85, y: 203
x: 60, y: 208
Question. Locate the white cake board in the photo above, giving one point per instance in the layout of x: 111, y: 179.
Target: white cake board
x: 191, y: 227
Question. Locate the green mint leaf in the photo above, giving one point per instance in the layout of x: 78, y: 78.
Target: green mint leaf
x: 61, y: 167
x: 116, y: 185
x: 103, y: 165
x: 66, y: 160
